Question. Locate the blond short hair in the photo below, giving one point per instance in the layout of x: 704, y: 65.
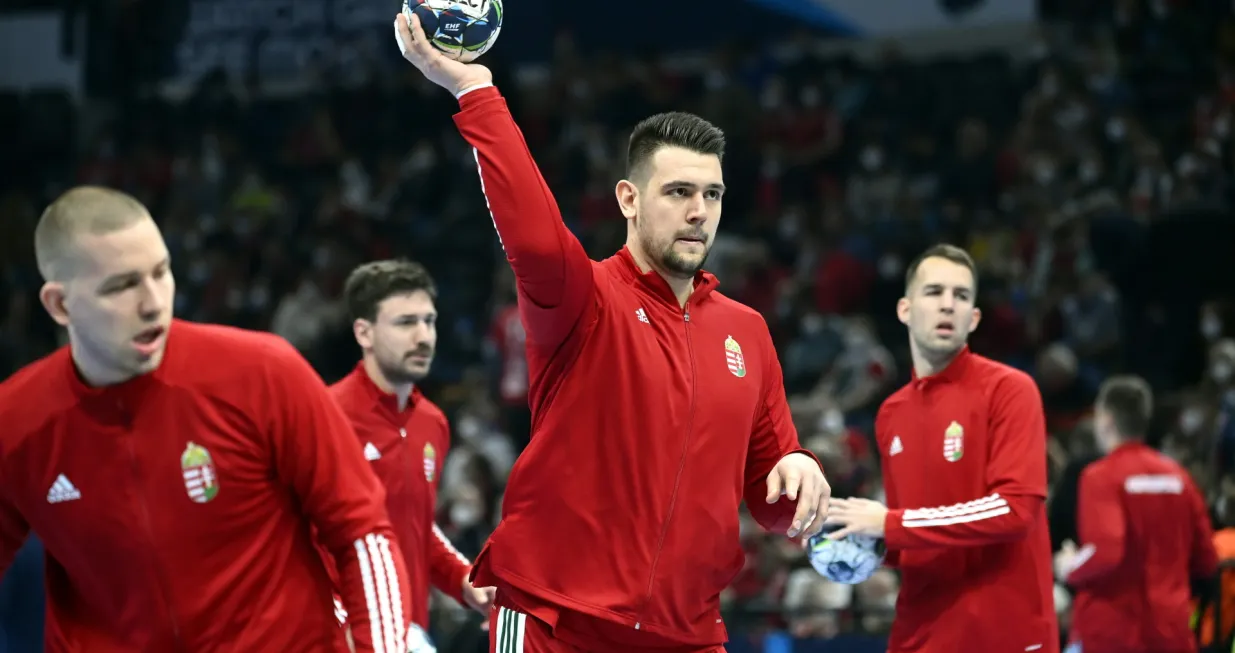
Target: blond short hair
x: 80, y: 210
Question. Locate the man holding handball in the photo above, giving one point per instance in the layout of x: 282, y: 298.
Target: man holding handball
x: 657, y: 403
x: 173, y: 470
x: 963, y: 448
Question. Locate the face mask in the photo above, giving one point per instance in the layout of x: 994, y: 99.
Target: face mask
x: 1116, y: 129
x: 1190, y: 421
x: 468, y: 428
x: 1044, y: 173
x: 464, y: 515
x: 1089, y: 171
x: 889, y: 266
x: 872, y: 158
x: 1220, y: 372
x: 832, y: 421
x: 1211, y: 327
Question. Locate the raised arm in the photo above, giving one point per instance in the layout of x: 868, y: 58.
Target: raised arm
x: 552, y: 271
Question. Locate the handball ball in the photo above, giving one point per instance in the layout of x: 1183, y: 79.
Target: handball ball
x: 850, y: 560
x: 462, y: 29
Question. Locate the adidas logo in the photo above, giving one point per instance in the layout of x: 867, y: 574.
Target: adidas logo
x: 62, y: 490
x: 642, y: 315
x: 896, y: 447
x: 371, y: 453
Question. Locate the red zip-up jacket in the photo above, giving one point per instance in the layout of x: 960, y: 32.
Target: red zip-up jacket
x: 175, y: 508
x: 651, y: 422
x: 406, y: 449
x: 1144, y: 535
x: 964, y: 459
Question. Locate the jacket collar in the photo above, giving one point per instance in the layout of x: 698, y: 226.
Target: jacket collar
x: 386, y: 401
x: 955, y: 370
x: 705, y: 282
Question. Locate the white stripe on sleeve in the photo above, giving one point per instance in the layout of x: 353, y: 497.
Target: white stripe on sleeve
x: 481, y: 173
x: 389, y: 641
x: 396, y: 594
x: 450, y: 547
x: 370, y: 595
x: 960, y: 513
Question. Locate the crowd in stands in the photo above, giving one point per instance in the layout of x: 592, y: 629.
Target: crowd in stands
x: 1058, y: 167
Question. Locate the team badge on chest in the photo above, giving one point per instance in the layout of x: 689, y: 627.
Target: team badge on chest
x: 430, y: 462
x: 954, y: 442
x: 733, y: 357
x: 200, y: 479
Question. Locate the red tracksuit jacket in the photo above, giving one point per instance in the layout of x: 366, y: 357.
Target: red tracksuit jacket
x: 1145, y: 534
x: 406, y: 450
x: 650, y: 424
x: 175, y: 508
x: 964, y: 456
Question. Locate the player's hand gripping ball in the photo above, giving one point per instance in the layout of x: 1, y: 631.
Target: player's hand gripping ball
x: 850, y: 560
x: 462, y: 29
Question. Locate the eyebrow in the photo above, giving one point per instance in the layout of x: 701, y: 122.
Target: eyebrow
x: 131, y: 273
x: 940, y: 286
x: 678, y: 183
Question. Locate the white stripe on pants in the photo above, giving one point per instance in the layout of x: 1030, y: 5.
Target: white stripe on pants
x: 510, y: 630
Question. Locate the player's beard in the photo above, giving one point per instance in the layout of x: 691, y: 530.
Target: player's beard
x: 397, y: 373
x: 669, y: 259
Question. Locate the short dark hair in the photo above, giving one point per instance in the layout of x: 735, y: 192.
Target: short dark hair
x: 1130, y: 402
x: 943, y: 251
x: 672, y: 129
x: 372, y: 283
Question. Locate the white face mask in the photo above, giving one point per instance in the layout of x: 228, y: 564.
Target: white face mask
x: 1211, y: 326
x: 1190, y: 421
x: 464, y: 515
x: 1220, y: 371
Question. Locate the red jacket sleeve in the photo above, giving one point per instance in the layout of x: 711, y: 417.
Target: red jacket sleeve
x: 774, y: 437
x: 315, y: 454
x: 1015, y: 480
x: 552, y: 271
x: 447, y: 567
x: 13, y: 532
x: 1101, y: 527
x: 1204, y: 559
x: 892, y: 558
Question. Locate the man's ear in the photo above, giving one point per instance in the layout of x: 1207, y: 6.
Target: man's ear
x: 902, y: 310
x: 363, y: 331
x: 628, y: 197
x: 52, y: 296
x: 977, y: 317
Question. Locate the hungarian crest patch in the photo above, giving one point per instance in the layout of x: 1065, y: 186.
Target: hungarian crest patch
x: 733, y: 357
x: 200, y: 479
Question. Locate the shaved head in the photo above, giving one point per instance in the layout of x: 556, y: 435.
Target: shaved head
x: 85, y: 210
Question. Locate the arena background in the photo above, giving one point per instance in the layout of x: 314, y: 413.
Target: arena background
x: 1081, y: 149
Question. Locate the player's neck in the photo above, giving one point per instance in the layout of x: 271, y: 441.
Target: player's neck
x: 94, y: 374
x: 682, y: 287
x: 924, y: 366
x: 401, y: 391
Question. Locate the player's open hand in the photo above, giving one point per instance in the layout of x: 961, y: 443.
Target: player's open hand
x: 479, y: 599
x: 451, y: 75
x: 860, y: 516
x: 799, y: 477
